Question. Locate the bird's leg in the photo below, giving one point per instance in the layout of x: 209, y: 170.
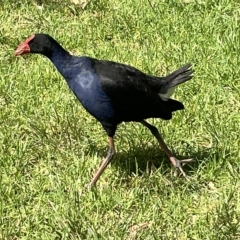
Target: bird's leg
x: 110, y: 153
x: 176, y: 163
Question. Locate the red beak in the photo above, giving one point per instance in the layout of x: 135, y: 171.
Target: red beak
x: 22, y: 49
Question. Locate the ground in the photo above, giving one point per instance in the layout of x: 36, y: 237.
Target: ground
x: 50, y: 146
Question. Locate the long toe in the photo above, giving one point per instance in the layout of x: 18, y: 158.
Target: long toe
x: 186, y: 160
x: 178, y: 164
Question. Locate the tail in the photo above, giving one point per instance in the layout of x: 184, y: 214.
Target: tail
x: 177, y: 77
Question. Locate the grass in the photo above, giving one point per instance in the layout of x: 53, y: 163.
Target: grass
x: 50, y: 146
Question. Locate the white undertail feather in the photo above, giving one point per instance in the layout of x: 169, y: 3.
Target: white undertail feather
x: 168, y: 94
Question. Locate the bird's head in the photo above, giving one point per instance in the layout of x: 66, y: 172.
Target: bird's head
x: 37, y: 43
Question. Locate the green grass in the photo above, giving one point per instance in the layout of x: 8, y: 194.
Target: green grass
x: 50, y: 146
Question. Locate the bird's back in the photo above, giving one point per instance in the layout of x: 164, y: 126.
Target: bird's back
x: 131, y: 93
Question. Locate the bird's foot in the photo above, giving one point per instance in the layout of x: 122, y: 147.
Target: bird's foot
x: 178, y: 164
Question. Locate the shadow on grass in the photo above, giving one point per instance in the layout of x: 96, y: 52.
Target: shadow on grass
x: 154, y: 158
x: 144, y: 160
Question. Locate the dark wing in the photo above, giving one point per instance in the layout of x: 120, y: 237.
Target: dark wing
x: 131, y: 95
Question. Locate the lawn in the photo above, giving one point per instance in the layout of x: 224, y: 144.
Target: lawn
x: 50, y: 146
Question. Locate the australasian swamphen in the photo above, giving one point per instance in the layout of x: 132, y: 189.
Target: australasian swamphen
x: 114, y: 92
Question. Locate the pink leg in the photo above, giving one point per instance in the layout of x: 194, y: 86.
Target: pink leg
x: 176, y: 163
x: 104, y: 164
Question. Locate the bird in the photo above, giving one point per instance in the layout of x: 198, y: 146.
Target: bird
x: 113, y: 92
